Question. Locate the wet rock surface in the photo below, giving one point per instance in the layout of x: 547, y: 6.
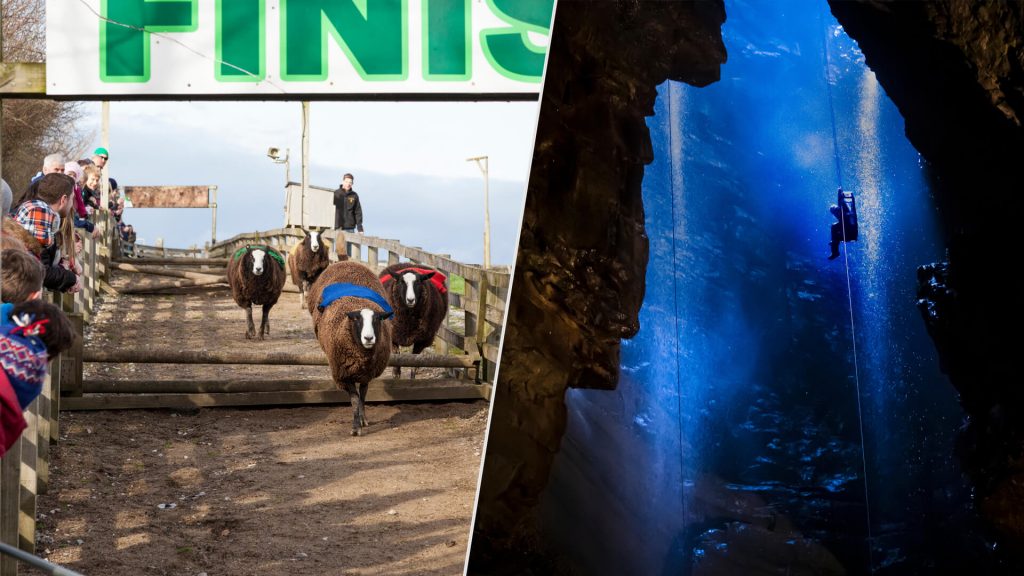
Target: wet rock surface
x: 955, y: 69
x: 583, y: 250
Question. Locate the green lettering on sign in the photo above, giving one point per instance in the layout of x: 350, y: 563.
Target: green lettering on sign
x: 371, y: 33
x: 125, y: 29
x: 446, y: 39
x: 509, y: 49
x: 241, y: 40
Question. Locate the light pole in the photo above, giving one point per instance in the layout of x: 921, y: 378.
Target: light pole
x: 305, y: 158
x: 481, y: 163
x: 275, y: 155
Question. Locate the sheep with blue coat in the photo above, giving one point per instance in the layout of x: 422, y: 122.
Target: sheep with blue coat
x: 351, y: 322
x: 256, y: 276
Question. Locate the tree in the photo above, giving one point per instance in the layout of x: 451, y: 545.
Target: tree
x: 34, y: 128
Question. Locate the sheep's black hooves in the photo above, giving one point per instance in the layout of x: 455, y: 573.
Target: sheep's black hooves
x: 355, y: 432
x: 250, y: 335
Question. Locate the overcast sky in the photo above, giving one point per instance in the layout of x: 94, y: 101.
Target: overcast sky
x: 409, y: 159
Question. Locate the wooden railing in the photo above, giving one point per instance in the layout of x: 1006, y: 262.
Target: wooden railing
x: 482, y: 316
x: 25, y: 468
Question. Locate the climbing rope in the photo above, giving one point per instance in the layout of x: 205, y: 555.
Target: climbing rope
x: 849, y: 296
x: 675, y: 300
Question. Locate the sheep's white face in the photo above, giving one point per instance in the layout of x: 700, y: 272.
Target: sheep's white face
x: 366, y: 326
x: 368, y: 336
x: 410, y: 289
x: 258, y: 257
x: 314, y: 241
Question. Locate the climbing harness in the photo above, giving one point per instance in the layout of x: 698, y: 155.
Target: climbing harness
x: 849, y: 296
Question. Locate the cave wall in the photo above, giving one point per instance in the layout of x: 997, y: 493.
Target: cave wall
x: 955, y: 70
x: 579, y: 277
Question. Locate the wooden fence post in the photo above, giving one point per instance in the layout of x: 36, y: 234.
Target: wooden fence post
x: 70, y: 372
x: 484, y: 290
x: 54, y: 386
x: 472, y: 294
x: 373, y: 258
x: 10, y: 505
x: 28, y: 482
x: 43, y: 438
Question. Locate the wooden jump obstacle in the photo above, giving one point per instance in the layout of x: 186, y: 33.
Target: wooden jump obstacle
x: 24, y: 470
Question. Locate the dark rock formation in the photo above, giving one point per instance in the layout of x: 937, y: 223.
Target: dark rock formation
x: 583, y: 251
x: 955, y: 69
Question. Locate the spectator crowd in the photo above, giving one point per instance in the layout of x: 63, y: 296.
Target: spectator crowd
x: 41, y: 242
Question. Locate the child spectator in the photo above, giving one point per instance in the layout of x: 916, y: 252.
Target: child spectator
x: 22, y: 277
x: 31, y: 334
x: 90, y: 192
x: 81, y: 216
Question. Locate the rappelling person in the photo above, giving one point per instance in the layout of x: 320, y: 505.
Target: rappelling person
x: 845, y: 230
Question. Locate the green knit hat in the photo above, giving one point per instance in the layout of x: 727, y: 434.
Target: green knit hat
x: 100, y: 152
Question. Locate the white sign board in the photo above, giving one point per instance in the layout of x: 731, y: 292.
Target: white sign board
x: 285, y: 48
x: 319, y: 207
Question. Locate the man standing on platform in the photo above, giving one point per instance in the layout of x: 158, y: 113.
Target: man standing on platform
x: 348, y: 213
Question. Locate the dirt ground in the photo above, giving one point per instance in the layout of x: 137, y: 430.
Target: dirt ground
x: 279, y: 490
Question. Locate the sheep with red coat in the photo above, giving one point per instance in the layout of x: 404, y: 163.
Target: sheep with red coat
x: 419, y: 296
x: 350, y: 320
x: 256, y: 276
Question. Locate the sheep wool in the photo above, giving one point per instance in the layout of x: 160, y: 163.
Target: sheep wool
x: 351, y: 363
x: 248, y: 288
x: 305, y: 265
x: 417, y: 325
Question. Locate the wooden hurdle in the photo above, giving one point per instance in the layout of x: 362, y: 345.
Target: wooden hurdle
x: 471, y: 347
x: 481, y: 306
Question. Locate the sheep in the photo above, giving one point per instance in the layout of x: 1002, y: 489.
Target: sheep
x: 306, y: 260
x: 349, y: 310
x: 420, y: 299
x: 256, y: 279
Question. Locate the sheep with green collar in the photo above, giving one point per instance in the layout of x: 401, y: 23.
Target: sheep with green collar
x: 256, y: 276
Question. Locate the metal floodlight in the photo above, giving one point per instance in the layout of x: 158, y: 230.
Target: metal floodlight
x: 273, y: 153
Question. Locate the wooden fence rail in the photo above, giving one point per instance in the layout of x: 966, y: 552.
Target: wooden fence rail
x: 481, y: 317
x: 468, y: 339
x: 25, y: 468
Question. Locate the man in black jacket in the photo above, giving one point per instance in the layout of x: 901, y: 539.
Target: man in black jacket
x: 348, y: 213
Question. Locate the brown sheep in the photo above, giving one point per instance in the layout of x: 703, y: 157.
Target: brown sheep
x: 352, y: 329
x: 306, y: 260
x: 419, y: 297
x: 256, y: 276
